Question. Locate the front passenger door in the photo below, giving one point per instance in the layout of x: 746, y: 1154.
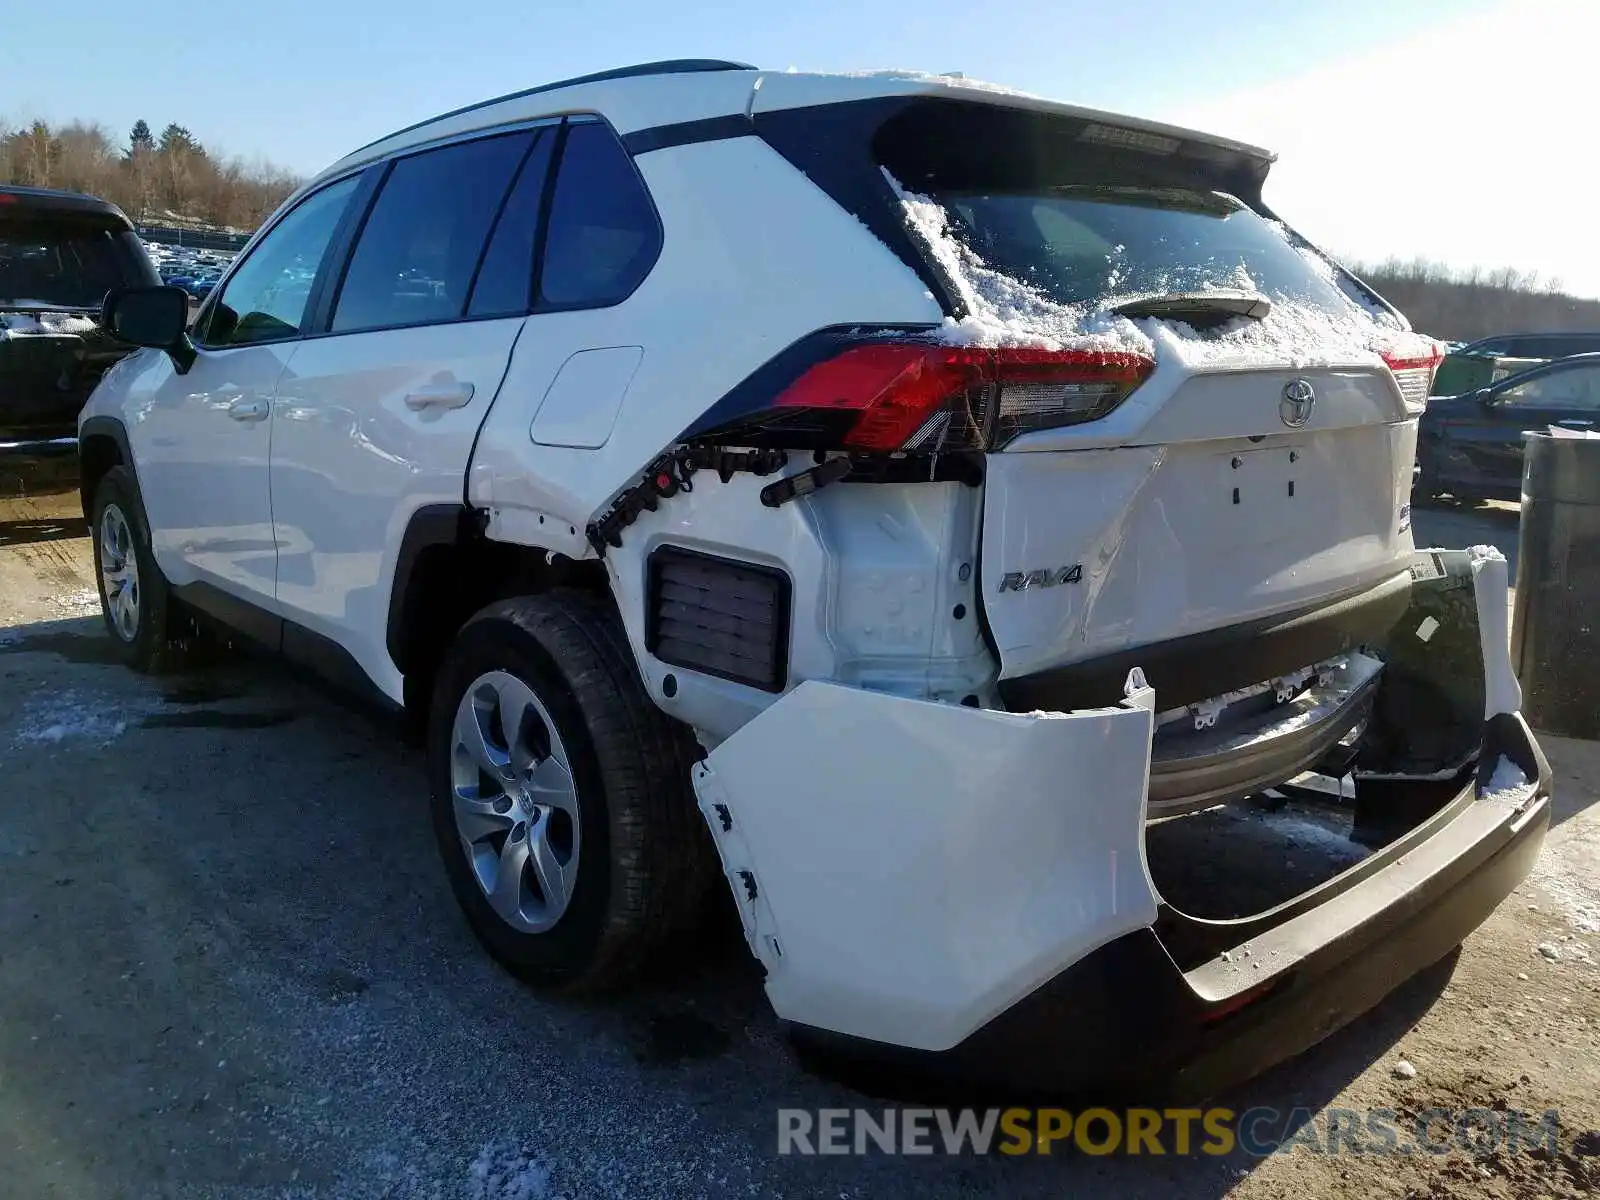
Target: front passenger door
x: 202, y: 440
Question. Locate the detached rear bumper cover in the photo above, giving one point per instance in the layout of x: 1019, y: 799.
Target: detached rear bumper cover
x: 916, y: 867
x: 965, y: 891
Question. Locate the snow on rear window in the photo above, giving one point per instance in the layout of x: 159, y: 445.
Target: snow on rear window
x: 1001, y: 309
x: 1048, y: 268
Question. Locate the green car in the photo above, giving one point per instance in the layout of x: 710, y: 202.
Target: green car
x: 1489, y: 360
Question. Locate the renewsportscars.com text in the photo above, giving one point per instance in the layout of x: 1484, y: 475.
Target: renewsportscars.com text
x: 1160, y: 1131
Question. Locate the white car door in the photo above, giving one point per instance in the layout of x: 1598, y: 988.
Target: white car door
x: 202, y: 439
x: 376, y: 417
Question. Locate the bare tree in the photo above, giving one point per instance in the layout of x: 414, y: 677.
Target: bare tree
x: 173, y: 177
x: 86, y: 160
x: 1463, y: 305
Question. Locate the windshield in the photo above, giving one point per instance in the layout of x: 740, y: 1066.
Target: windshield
x: 64, y: 264
x: 1083, y: 244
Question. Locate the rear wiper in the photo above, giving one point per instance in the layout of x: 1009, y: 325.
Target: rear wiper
x: 1211, y: 306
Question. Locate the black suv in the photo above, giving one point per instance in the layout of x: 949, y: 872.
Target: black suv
x: 60, y: 253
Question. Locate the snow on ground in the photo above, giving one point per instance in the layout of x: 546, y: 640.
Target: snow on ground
x: 78, y: 603
x: 505, y: 1173
x: 70, y: 715
x: 1308, y: 830
x: 1567, y: 873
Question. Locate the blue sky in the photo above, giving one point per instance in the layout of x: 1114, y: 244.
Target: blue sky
x: 1356, y: 95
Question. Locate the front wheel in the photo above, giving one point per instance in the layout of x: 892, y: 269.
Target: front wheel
x: 560, y: 795
x: 134, y: 597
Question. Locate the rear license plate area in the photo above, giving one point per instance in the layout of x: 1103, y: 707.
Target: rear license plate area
x: 1274, y: 486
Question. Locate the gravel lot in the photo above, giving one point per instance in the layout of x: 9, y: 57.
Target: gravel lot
x: 230, y: 966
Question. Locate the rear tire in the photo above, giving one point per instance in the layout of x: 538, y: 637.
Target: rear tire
x: 574, y: 874
x: 135, y: 599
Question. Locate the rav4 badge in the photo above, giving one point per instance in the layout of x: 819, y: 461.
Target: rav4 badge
x: 1021, y: 581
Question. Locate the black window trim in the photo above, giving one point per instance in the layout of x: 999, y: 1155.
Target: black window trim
x: 558, y: 134
x: 335, y: 263
x: 320, y: 324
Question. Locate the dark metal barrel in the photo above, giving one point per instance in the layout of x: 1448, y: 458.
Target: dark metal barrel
x: 1555, y: 630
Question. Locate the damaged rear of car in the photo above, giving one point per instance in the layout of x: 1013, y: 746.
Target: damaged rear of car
x: 943, y: 501
x: 1124, y: 537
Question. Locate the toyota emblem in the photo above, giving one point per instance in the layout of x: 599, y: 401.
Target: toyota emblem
x: 1299, y: 398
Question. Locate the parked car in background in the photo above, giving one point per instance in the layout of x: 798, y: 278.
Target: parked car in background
x: 1491, y: 359
x: 1470, y: 446
x: 198, y: 289
x: 60, y: 253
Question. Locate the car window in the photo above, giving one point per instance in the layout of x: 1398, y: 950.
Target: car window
x: 603, y: 236
x: 504, y: 285
x: 267, y: 296
x: 420, y: 246
x: 1578, y: 388
x: 69, y: 261
x: 1098, y: 245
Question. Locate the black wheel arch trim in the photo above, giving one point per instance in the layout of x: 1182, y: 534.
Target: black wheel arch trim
x: 108, y: 427
x: 431, y: 525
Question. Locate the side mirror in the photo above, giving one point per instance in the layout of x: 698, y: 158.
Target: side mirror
x: 1484, y: 397
x: 157, y: 317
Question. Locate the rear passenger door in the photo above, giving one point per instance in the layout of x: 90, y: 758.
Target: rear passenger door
x: 377, y: 413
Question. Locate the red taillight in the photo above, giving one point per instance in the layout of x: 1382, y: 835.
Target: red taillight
x: 1413, y: 361
x: 922, y: 397
x: 898, y: 389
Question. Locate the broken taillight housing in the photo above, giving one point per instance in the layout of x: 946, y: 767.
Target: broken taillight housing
x: 1413, y: 362
x: 917, y: 397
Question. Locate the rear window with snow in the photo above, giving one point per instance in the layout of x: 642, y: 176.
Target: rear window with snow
x: 1060, y: 227
x: 63, y: 263
x: 1083, y: 244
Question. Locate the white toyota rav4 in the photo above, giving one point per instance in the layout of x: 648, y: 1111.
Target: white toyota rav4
x: 914, y: 494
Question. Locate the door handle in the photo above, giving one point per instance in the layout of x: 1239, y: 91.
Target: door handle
x: 439, y: 395
x: 248, y: 410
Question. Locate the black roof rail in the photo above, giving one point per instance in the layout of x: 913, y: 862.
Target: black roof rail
x: 670, y: 66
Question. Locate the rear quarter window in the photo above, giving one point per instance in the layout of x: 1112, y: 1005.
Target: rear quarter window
x: 604, y: 235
